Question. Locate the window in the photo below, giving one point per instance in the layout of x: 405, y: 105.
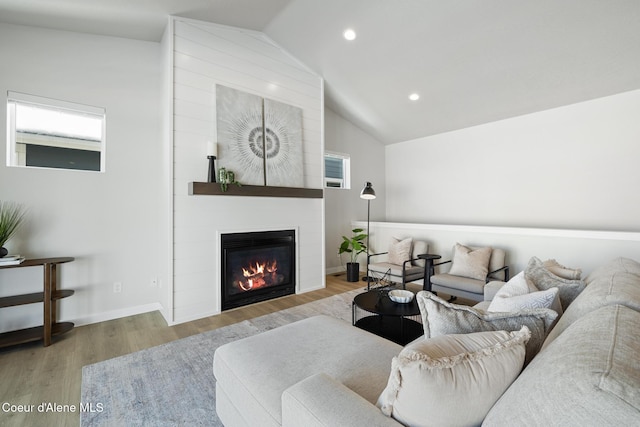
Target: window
x: 336, y: 170
x: 50, y: 133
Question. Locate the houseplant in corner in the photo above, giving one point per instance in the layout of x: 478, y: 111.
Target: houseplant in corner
x: 354, y: 246
x: 11, y: 216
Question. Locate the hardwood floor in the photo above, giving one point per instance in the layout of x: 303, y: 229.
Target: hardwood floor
x: 32, y: 374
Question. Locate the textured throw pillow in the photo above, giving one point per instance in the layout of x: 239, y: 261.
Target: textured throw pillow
x: 539, y: 299
x: 561, y: 271
x: 399, y: 250
x: 469, y: 262
x: 543, y: 279
x: 518, y: 294
x: 440, y: 317
x: 431, y: 378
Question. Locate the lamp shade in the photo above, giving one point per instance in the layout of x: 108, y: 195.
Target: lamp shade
x: 368, y: 192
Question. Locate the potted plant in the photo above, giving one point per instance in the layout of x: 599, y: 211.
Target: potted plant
x: 11, y: 216
x: 354, y: 246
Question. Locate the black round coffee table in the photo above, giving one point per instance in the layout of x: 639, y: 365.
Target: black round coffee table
x: 397, y: 322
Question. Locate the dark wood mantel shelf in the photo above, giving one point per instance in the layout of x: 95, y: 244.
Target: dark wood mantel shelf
x: 213, y: 189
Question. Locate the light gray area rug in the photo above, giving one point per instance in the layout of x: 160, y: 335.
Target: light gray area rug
x: 173, y: 384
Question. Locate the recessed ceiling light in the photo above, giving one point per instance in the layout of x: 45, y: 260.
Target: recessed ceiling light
x: 414, y: 97
x: 349, y: 34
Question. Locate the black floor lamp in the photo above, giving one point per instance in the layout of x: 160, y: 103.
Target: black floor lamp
x: 368, y: 193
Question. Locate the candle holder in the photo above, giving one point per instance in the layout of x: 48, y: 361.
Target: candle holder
x: 212, y: 168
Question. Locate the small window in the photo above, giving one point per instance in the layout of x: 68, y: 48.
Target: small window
x: 50, y: 133
x: 336, y: 170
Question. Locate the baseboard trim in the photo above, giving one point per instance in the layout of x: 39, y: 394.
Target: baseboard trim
x: 117, y: 314
x: 335, y: 270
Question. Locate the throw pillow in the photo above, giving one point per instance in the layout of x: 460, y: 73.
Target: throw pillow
x: 519, y: 293
x: 539, y: 299
x: 431, y: 378
x: 561, y: 271
x: 440, y: 317
x: 543, y: 279
x: 469, y: 262
x: 399, y: 250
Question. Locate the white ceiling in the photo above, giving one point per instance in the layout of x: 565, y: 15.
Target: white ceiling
x: 471, y: 61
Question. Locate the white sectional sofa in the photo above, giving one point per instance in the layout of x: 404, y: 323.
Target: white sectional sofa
x: 324, y: 372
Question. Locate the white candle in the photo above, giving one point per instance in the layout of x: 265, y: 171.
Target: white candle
x: 212, y: 149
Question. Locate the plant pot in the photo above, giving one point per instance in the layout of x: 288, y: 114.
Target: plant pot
x: 353, y: 271
x: 3, y: 252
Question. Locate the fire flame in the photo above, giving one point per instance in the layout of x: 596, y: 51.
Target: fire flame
x: 256, y: 277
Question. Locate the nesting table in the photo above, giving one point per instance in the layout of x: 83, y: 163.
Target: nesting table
x: 374, y: 312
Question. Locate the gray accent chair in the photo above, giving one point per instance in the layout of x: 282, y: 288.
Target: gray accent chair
x: 411, y: 269
x: 465, y: 287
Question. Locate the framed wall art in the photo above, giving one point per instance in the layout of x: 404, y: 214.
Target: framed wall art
x: 259, y: 139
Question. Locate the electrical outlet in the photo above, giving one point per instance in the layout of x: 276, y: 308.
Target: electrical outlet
x: 154, y: 282
x: 117, y: 287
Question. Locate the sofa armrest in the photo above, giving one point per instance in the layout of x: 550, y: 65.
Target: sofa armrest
x: 491, y: 289
x: 322, y: 401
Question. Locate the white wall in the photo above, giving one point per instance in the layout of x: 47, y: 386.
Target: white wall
x: 205, y: 55
x: 342, y: 205
x: 571, y: 167
x: 108, y: 221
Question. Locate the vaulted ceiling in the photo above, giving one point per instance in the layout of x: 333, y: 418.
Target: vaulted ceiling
x: 471, y: 61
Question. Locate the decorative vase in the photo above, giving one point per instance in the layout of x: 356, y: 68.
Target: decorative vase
x: 353, y: 271
x: 3, y: 252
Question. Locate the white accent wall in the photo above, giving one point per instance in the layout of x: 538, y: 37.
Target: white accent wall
x: 205, y: 55
x: 573, y: 167
x: 110, y: 222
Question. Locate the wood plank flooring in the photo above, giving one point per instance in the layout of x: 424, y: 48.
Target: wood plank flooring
x: 32, y: 374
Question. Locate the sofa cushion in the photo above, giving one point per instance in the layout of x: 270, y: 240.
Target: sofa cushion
x: 440, y: 317
x: 431, y: 377
x: 399, y: 250
x: 320, y: 401
x: 383, y: 269
x: 617, y: 282
x: 459, y: 283
x: 519, y: 293
x: 470, y: 262
x: 255, y: 371
x: 588, y: 376
x: 619, y: 264
x: 544, y: 279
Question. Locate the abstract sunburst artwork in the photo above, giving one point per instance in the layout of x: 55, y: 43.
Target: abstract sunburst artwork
x: 259, y: 139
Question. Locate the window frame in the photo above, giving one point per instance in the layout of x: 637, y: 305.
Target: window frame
x: 15, y: 99
x: 345, y: 182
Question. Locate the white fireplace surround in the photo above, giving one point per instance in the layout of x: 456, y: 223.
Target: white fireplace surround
x: 200, y: 56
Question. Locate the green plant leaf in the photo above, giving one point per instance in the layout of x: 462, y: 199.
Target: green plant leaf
x: 11, y: 217
x: 353, y: 245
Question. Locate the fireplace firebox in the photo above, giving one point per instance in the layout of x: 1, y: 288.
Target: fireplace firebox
x: 257, y: 266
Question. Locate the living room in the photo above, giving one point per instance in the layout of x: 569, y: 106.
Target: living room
x: 550, y: 177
